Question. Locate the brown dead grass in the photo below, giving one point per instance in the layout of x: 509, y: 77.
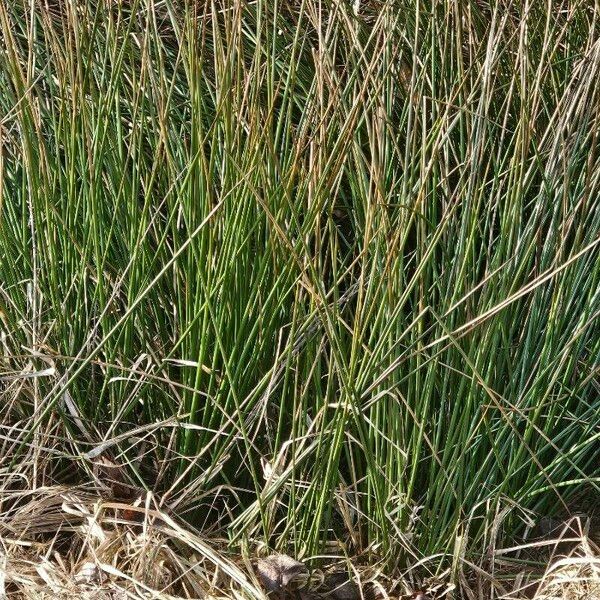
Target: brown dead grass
x: 573, y: 565
x: 69, y: 543
x: 64, y: 543
x: 572, y: 579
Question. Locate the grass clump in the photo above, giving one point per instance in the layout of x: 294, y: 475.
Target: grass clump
x: 319, y: 274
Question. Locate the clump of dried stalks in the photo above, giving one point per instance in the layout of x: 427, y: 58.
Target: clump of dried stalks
x: 573, y: 578
x: 61, y: 542
x: 573, y: 566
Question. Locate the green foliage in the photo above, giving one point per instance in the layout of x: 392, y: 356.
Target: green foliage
x: 356, y: 241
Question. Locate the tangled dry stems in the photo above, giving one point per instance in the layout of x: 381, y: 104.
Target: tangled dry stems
x: 61, y: 543
x: 70, y: 543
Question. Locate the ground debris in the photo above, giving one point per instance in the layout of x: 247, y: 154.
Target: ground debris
x: 285, y: 577
x: 278, y: 572
x: 339, y: 586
